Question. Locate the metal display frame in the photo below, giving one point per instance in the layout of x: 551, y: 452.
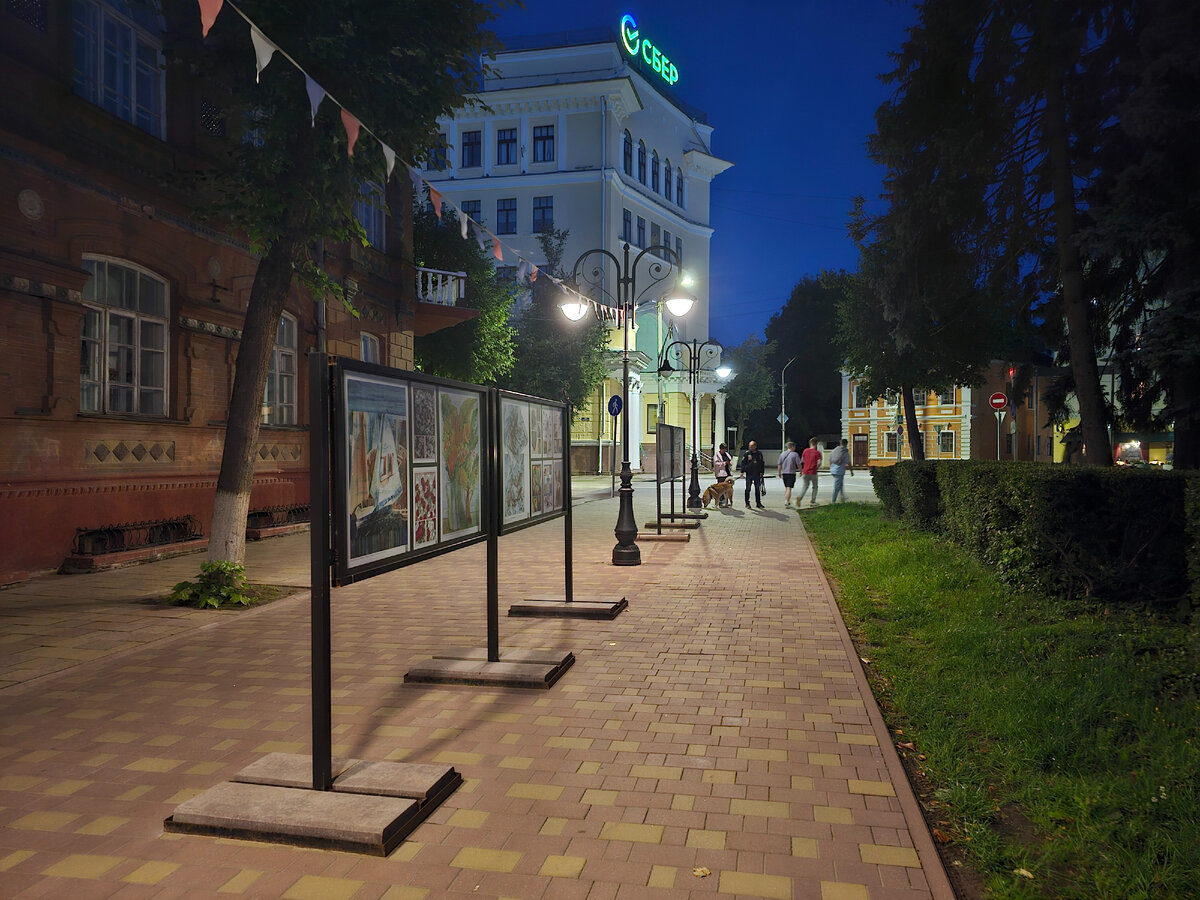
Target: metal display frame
x: 561, y: 458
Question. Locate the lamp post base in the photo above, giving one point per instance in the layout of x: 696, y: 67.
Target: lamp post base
x: 626, y: 552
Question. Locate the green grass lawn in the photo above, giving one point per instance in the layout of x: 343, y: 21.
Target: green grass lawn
x: 1081, y: 720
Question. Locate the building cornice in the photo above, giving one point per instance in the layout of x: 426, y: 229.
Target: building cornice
x: 705, y: 165
x: 535, y: 99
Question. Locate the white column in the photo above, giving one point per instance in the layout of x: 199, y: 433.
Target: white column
x: 560, y: 152
x: 635, y: 422
x: 719, y: 424
x: 489, y: 147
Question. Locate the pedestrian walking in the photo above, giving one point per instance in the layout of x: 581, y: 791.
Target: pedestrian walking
x: 789, y: 465
x: 752, y: 466
x: 839, y: 462
x: 810, y: 465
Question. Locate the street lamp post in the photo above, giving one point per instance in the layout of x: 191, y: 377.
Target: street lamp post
x: 626, y: 552
x: 696, y: 353
x: 783, y: 406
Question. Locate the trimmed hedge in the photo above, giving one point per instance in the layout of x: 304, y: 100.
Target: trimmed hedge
x: 883, y: 480
x: 1116, y: 535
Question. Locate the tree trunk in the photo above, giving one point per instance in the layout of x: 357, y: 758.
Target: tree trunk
x: 272, y: 283
x: 1187, y: 422
x: 1093, y: 417
x: 916, y: 444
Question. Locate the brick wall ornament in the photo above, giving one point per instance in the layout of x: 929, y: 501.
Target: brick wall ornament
x: 280, y: 452
x: 118, y: 452
x: 212, y: 328
x: 30, y: 203
x: 19, y: 285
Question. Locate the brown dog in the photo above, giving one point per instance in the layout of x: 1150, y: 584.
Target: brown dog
x: 722, y: 491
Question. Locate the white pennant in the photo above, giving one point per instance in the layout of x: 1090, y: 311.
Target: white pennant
x: 316, y: 94
x: 263, y: 50
x: 390, y: 155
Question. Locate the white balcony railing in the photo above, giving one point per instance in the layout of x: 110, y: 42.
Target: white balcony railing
x: 442, y: 288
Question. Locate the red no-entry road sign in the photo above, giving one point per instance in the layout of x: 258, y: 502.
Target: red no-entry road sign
x: 998, y: 400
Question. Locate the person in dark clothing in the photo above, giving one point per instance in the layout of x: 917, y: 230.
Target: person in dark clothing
x: 753, y: 465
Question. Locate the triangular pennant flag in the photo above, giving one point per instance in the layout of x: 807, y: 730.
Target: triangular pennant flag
x: 390, y: 156
x: 263, y: 50
x: 522, y: 269
x: 533, y: 274
x: 352, y: 125
x: 498, y: 250
x: 435, y: 200
x: 316, y: 94
x: 208, y: 14
x: 415, y: 177
x: 481, y: 237
x: 463, y: 219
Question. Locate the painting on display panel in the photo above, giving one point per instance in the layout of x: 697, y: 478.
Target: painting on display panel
x: 377, y: 489
x: 460, y: 469
x: 515, y: 445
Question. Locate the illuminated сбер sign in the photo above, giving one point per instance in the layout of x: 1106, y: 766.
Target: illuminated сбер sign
x: 635, y: 45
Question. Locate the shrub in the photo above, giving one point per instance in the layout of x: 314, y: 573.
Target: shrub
x: 883, y: 480
x: 219, y: 583
x: 1191, y: 511
x: 920, y: 500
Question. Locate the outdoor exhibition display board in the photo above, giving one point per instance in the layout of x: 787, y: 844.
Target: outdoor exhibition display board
x: 534, y: 467
x: 670, y: 458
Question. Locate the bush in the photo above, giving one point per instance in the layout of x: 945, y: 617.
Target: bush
x: 1191, y: 509
x: 883, y: 480
x: 920, y: 500
x: 219, y: 584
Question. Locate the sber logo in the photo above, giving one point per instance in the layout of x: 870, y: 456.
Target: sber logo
x: 636, y: 45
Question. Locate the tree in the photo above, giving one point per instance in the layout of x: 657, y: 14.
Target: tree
x: 556, y: 358
x: 480, y: 350
x: 290, y: 183
x: 753, y: 383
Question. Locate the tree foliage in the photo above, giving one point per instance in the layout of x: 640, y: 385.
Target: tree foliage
x: 480, y: 350
x: 753, y: 384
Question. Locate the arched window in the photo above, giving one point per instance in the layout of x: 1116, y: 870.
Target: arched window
x: 642, y: 161
x: 654, y: 171
x: 667, y: 192
x: 679, y: 187
x: 279, y: 399
x: 627, y: 154
x: 123, y: 358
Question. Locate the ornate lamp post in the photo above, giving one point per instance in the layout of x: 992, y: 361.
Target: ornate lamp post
x: 659, y: 267
x: 696, y: 354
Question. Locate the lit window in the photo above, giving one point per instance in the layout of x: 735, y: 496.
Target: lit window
x: 118, y: 60
x: 369, y: 347
x: 543, y: 214
x: 641, y: 232
x: 472, y: 149
x: 123, y: 355
x: 371, y: 211
x: 667, y: 180
x: 506, y: 146
x: 642, y: 162
x: 627, y: 226
x: 279, y: 398
x: 627, y: 154
x: 506, y: 216
x: 946, y: 443
x: 543, y: 143
x: 654, y: 171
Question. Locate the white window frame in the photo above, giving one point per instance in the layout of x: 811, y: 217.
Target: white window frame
x: 368, y: 347
x: 543, y: 143
x: 118, y: 63
x: 279, y: 396
x: 891, y: 441
x: 946, y: 443
x: 920, y: 396
x: 506, y: 146
x: 101, y: 363
x: 543, y: 214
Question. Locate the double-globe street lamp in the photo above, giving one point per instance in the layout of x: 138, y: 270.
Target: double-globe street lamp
x: 662, y: 263
x: 698, y: 355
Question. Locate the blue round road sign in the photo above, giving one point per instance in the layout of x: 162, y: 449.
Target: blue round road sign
x: 614, y: 405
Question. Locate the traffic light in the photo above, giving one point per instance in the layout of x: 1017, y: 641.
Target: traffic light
x: 1012, y: 373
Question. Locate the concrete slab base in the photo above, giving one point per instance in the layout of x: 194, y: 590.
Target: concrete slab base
x: 689, y: 524
x: 686, y: 515
x: 552, y: 607
x: 373, y: 805
x: 676, y: 537
x: 516, y: 668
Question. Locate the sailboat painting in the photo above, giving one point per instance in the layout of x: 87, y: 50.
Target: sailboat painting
x: 377, y: 455
x: 460, y: 474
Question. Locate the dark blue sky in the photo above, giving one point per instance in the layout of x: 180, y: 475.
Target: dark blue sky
x: 791, y: 88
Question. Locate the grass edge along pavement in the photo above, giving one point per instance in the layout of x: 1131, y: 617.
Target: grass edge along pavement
x: 1081, y: 720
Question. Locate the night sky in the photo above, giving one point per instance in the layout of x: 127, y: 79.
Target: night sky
x: 791, y: 88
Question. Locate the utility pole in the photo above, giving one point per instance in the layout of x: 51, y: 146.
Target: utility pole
x: 783, y: 406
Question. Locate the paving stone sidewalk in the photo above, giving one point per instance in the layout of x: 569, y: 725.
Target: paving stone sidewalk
x: 716, y: 738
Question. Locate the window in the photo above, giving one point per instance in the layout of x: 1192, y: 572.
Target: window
x: 679, y: 186
x: 890, y: 441
x: 506, y: 146
x: 123, y: 354
x: 654, y: 171
x: 946, y: 443
x: 471, y: 209
x: 666, y: 239
x: 860, y: 399
x: 627, y: 226
x: 543, y: 143
x: 118, y: 61
x: 655, y: 236
x: 641, y: 232
x: 506, y: 273
x: 919, y: 397
x: 652, y: 417
x: 642, y: 161
x: 543, y: 214
x: 369, y: 347
x: 435, y: 156
x: 472, y: 149
x: 279, y: 399
x: 627, y: 154
x: 371, y: 212
x: 506, y: 216
x: 946, y: 396
x: 667, y: 180
x: 679, y: 251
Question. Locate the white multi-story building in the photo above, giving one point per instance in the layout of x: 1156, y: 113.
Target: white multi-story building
x: 576, y: 131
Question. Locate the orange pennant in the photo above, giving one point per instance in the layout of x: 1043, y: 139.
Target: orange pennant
x: 435, y: 200
x: 352, y: 125
x: 208, y: 14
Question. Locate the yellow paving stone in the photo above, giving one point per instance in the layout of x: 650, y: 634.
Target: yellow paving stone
x: 631, y: 831
x: 824, y: 759
x: 562, y: 866
x: 516, y: 762
x: 772, y: 809
x: 37, y: 756
x: 293, y: 692
x: 662, y: 877
x: 883, y: 855
x: 100, y: 759
x: 553, y: 826
x: 806, y: 847
x: 806, y: 686
x: 569, y: 743
x: 405, y: 892
x: 467, y: 818
x: 69, y: 733
x: 236, y: 724
x: 843, y: 890
x: 15, y: 858
x: 204, y: 768
x: 873, y: 788
x: 704, y: 839
x: 102, y: 825
x: 818, y: 717
x: 132, y: 716
x: 280, y: 726
x: 588, y: 768
x: 407, y: 851
x: 135, y: 793
x: 153, y: 764
x: 67, y: 787
x: 486, y: 860
x: 598, y: 797
x: 227, y: 744
x: 614, y: 724
x: 802, y: 783
x: 856, y: 704
x: 548, y: 720
x: 456, y: 758
x: 183, y: 796
x: 763, y: 683
x: 726, y: 730
x: 501, y: 717
x: 663, y: 773
x: 592, y: 704
x: 117, y: 737
x: 834, y: 815
x: 151, y: 872
x: 44, y: 821
x: 534, y: 791
x: 442, y: 734
x: 281, y: 747
x: 685, y: 802
x: 511, y: 737
x: 775, y: 887
x: 19, y: 782
x: 624, y: 746
x: 91, y: 713
x: 719, y: 776
x: 322, y: 887
x: 14, y: 730
x: 83, y: 865
x: 866, y: 740
x: 762, y: 753
x: 196, y: 702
